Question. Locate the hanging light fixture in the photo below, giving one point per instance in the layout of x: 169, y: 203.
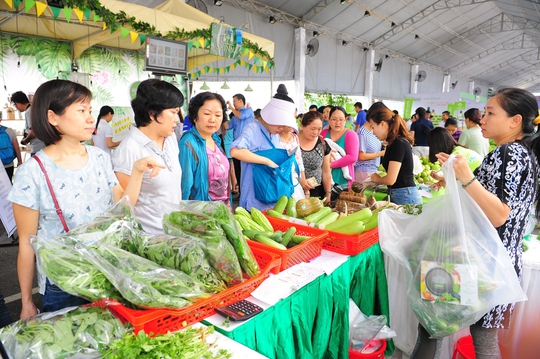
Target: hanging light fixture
x: 367, y: 13
x: 205, y: 87
x: 248, y: 88
x: 225, y: 86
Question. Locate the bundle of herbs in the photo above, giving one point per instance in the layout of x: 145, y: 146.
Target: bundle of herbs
x: 143, y: 282
x: 219, y: 252
x: 68, y: 333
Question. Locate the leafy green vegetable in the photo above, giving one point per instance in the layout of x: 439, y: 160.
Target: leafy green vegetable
x: 182, y: 253
x: 121, y: 210
x: 72, y: 272
x: 189, y: 343
x: 59, y: 335
x: 222, y: 214
x: 219, y: 252
x: 143, y: 282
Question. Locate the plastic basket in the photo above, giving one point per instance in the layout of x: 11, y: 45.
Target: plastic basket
x: 160, y: 321
x: 378, y: 354
x: 302, y: 252
x: 464, y: 348
x: 351, y: 244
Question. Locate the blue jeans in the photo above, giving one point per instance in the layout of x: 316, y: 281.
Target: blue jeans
x: 405, y: 195
x: 5, y: 317
x: 56, y: 299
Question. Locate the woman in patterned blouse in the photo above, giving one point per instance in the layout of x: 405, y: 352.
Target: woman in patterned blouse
x: 505, y: 189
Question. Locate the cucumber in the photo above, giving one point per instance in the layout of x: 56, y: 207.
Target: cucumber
x: 317, y: 216
x: 333, y: 216
x: 267, y: 241
x: 251, y: 233
x: 288, y: 236
x: 296, y: 239
x: 351, y: 228
x: 275, y: 214
x: 291, y: 207
x: 281, y: 204
x: 276, y: 236
x: 373, y: 222
x: 362, y: 215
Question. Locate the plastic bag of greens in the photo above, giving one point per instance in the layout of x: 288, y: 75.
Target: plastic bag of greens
x: 121, y: 210
x: 79, y: 332
x: 60, y: 261
x: 219, y: 252
x: 143, y: 282
x: 457, y: 266
x: 183, y: 253
x: 219, y: 211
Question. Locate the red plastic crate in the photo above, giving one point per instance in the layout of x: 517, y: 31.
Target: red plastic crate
x: 351, y: 244
x: 337, y: 242
x: 302, y: 252
x: 160, y: 321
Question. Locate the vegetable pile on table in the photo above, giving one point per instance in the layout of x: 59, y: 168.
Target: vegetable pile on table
x: 111, y: 257
x: 62, y: 334
x: 312, y: 212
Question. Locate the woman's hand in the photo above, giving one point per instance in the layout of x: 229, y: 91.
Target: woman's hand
x: 463, y: 172
x: 148, y: 164
x: 375, y: 178
x: 306, y: 185
x: 271, y: 163
x: 28, y: 310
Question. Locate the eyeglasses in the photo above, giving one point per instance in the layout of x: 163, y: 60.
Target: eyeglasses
x: 337, y: 120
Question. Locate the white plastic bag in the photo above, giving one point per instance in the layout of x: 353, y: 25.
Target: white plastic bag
x: 457, y: 266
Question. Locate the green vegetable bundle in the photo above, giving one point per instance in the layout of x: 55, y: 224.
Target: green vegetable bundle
x: 189, y: 343
x: 62, y: 334
x: 218, y: 250
x: 143, y: 282
x: 219, y: 211
x: 185, y: 254
x: 71, y: 271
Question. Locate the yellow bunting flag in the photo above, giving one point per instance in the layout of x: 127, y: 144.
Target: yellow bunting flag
x: 10, y: 3
x: 40, y: 7
x: 104, y: 25
x: 79, y: 14
x: 264, y: 63
x: 202, y: 42
x: 250, y: 55
x: 133, y: 35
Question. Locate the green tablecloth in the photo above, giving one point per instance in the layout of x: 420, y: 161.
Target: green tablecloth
x: 314, y: 321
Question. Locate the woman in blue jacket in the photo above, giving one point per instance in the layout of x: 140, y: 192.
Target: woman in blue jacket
x: 205, y: 168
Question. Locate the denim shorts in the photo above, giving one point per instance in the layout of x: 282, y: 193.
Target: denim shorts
x: 56, y: 299
x: 405, y: 195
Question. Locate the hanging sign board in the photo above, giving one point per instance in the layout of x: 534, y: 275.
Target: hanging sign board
x: 123, y: 118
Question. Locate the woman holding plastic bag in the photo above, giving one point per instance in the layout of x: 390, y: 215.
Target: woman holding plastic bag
x: 504, y: 188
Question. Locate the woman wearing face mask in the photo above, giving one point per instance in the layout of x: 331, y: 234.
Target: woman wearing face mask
x: 259, y: 136
x: 205, y: 168
x: 398, y: 159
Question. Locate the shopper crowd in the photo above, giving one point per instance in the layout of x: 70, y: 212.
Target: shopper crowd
x: 219, y: 157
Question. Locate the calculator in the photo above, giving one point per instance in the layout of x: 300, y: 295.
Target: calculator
x: 242, y: 310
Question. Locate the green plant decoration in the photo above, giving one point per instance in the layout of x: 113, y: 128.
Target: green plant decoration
x: 325, y: 98
x: 122, y: 18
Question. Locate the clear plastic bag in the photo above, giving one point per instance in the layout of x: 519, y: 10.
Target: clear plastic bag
x: 220, y: 253
x: 364, y: 330
x: 457, y: 266
x: 74, y: 332
x: 143, y: 282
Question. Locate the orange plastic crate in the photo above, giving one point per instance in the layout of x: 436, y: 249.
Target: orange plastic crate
x: 160, y: 321
x: 302, y: 252
x: 351, y: 244
x: 337, y: 242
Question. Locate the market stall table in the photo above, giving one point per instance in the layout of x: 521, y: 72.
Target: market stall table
x: 313, y: 321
